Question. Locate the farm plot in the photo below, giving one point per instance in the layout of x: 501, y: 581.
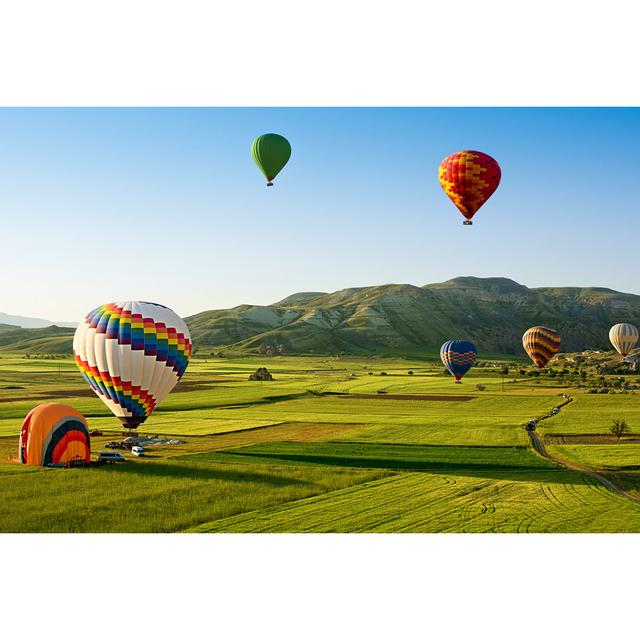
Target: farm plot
x: 562, y: 501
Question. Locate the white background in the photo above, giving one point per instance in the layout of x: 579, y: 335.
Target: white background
x: 308, y: 53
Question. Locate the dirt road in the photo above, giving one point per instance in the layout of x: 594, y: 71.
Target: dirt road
x: 539, y: 447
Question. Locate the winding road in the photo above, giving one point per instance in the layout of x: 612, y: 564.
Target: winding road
x: 539, y: 447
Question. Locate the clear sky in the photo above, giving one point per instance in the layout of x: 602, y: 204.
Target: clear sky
x: 166, y: 205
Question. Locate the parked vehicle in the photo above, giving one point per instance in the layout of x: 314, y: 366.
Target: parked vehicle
x: 531, y: 425
x: 110, y: 457
x: 137, y: 451
x: 115, y: 445
x: 554, y: 411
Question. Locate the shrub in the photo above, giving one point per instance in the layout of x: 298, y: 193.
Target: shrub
x: 480, y: 387
x: 619, y: 428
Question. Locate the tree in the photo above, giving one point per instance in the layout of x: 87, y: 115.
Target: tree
x: 620, y: 428
x: 504, y: 371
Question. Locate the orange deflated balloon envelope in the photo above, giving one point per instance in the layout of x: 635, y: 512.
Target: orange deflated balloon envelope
x: 541, y: 344
x: 469, y: 178
x: 54, y: 433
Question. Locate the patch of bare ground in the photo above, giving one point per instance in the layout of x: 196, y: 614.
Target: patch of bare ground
x: 398, y: 396
x: 88, y: 393
x: 285, y: 432
x: 588, y: 438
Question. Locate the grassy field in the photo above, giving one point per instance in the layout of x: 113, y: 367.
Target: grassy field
x: 332, y: 444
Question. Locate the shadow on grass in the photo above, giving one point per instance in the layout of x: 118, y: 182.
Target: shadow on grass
x: 197, y: 472
x: 515, y: 472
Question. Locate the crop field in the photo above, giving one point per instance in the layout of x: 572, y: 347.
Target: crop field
x: 332, y: 444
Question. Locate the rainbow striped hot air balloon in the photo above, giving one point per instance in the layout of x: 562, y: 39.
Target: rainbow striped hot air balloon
x: 624, y: 337
x: 132, y: 354
x: 541, y: 344
x: 458, y: 356
x: 54, y: 433
x: 469, y: 178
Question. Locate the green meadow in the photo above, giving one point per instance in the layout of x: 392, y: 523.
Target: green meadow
x: 333, y: 444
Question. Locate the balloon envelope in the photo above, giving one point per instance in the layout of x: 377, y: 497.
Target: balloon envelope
x: 624, y: 337
x: 458, y: 356
x: 132, y: 354
x: 53, y: 433
x: 270, y: 152
x: 541, y: 344
x: 469, y: 178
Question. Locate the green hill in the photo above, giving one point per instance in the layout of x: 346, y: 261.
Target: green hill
x: 391, y: 319
x: 395, y: 318
x: 42, y: 341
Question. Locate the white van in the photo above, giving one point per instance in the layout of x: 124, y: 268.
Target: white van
x: 137, y: 451
x: 110, y: 457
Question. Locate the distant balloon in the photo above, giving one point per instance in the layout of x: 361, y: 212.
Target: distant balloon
x: 541, y: 344
x: 270, y: 152
x: 469, y: 178
x: 624, y: 337
x: 458, y: 356
x: 132, y: 354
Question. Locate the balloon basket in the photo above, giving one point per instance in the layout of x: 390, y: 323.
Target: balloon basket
x: 467, y: 222
x: 458, y: 381
x: 269, y: 184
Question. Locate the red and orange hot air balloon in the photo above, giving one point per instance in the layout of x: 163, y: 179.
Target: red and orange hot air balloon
x: 469, y: 178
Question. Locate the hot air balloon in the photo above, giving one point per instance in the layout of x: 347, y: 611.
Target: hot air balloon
x: 458, y: 356
x: 270, y: 152
x: 54, y: 433
x: 624, y: 337
x: 132, y: 354
x: 469, y: 178
x: 541, y: 344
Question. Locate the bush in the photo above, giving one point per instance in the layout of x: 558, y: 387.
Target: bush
x: 480, y: 387
x: 619, y: 428
x: 383, y: 373
x: 410, y: 372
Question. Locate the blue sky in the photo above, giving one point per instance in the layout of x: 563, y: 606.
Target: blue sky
x: 167, y: 205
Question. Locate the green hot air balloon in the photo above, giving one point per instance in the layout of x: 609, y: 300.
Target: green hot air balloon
x: 270, y: 152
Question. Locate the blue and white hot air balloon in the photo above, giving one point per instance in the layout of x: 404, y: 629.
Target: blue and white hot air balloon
x: 458, y: 356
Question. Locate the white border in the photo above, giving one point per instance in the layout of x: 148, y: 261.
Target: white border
x: 331, y: 53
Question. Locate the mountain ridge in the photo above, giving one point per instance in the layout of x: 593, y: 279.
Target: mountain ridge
x: 392, y: 319
x: 25, y: 322
x: 493, y: 312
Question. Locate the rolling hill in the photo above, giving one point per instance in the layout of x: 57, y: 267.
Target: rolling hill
x: 391, y: 319
x: 396, y: 318
x: 48, y: 340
